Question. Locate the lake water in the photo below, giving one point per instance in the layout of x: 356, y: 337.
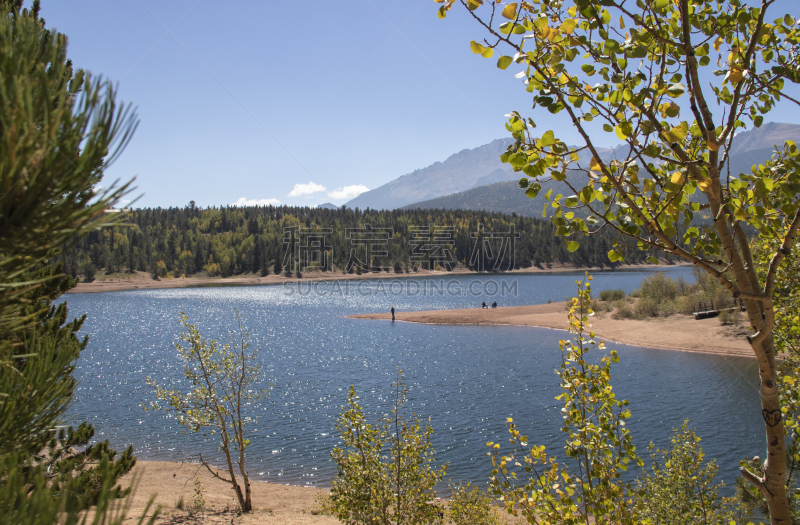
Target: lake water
x: 468, y: 379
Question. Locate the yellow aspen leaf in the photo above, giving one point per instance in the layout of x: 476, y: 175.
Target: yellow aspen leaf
x: 568, y: 26
x: 677, y: 178
x: 476, y: 47
x: 678, y: 133
x: 572, y: 11
x: 704, y: 183
x: 510, y: 11
x: 735, y: 75
x: 717, y: 43
x: 472, y: 5
x: 712, y: 146
x: 594, y: 165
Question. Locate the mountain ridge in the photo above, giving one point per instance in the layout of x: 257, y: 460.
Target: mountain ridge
x: 749, y: 148
x: 468, y: 169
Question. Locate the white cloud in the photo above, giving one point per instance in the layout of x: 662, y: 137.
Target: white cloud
x: 256, y: 202
x: 348, y: 192
x: 339, y: 194
x: 306, y: 189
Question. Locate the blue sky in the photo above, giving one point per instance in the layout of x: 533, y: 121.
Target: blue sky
x: 274, y: 101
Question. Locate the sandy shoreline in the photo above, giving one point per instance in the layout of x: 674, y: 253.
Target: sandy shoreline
x: 676, y: 332
x: 143, y: 280
x: 273, y: 503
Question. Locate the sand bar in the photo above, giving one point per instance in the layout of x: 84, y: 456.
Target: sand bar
x: 676, y: 332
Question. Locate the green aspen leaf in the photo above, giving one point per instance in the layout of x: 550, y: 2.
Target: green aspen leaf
x: 548, y: 139
x: 572, y: 246
x: 487, y: 52
x: 620, y: 133
x: 607, y: 127
x: 442, y: 12
x: 523, y: 183
x: 614, y: 256
x: 611, y: 46
x: 504, y: 61
x: 533, y: 191
x: 516, y: 160
x: 652, y: 260
x: 676, y: 90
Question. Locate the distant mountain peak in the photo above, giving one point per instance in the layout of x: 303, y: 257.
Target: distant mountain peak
x: 460, y: 171
x: 479, y: 167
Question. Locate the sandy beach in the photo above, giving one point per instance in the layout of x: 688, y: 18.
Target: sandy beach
x: 143, y: 280
x: 273, y: 503
x: 676, y: 332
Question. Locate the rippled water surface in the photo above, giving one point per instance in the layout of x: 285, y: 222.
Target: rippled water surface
x: 468, y: 379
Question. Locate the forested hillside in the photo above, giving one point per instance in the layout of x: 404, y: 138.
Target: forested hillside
x: 232, y: 240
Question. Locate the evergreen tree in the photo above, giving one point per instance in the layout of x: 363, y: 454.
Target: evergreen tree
x: 59, y: 128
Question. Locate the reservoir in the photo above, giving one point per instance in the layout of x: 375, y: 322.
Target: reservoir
x: 467, y: 379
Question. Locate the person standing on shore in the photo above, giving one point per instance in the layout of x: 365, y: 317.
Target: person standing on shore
x: 392, y: 313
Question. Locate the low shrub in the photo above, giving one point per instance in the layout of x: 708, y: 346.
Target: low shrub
x: 601, y: 307
x: 686, y: 304
x: 472, y: 506
x: 322, y: 505
x: 612, y: 295
x: 669, y: 306
x: 624, y: 312
x: 659, y: 287
x: 648, y: 307
x: 733, y: 317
